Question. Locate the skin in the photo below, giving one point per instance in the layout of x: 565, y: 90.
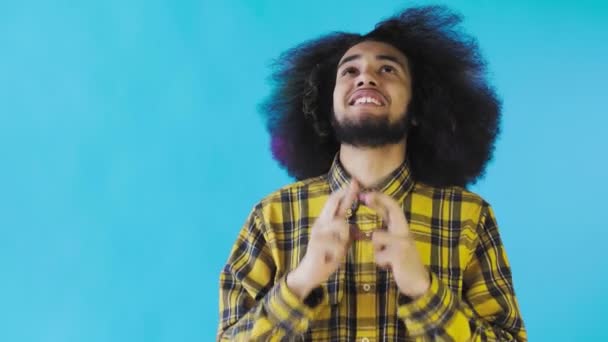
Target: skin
x: 375, y: 68
x: 381, y: 71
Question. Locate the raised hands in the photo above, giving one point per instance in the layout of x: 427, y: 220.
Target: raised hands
x: 330, y: 239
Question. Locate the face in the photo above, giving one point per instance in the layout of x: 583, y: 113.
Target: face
x: 372, y: 94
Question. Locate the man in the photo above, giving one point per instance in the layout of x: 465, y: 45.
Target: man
x: 379, y: 240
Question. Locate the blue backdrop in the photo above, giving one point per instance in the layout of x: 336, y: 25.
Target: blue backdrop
x: 132, y: 151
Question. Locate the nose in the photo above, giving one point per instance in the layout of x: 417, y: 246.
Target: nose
x: 366, y: 78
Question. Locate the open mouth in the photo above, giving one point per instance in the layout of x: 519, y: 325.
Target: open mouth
x: 367, y: 97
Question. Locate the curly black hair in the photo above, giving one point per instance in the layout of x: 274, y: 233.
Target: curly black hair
x: 456, y: 112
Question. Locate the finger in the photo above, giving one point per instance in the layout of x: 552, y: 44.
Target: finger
x: 389, y: 210
x: 332, y: 204
x: 382, y: 260
x: 351, y: 195
x: 336, y: 230
x: 339, y: 229
x: 334, y: 251
x: 381, y: 239
x: 338, y: 233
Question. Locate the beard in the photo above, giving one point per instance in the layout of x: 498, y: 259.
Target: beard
x: 371, y: 131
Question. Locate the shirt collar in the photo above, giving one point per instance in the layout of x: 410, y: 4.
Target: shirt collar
x: 397, y: 184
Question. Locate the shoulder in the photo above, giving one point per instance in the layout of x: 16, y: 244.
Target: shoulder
x: 294, y: 193
x: 449, y: 192
x: 450, y: 197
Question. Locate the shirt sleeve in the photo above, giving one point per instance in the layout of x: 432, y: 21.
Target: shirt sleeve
x: 488, y: 310
x: 252, y: 306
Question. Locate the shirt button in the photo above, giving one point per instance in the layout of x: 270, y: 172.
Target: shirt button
x: 365, y: 339
x: 366, y: 288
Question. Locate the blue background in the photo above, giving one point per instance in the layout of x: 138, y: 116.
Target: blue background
x: 132, y: 152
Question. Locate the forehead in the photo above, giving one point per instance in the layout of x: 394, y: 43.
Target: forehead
x: 372, y: 49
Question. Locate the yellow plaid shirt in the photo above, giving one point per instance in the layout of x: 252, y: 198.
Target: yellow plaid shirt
x: 471, y: 295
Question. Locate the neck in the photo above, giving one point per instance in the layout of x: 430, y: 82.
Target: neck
x: 369, y: 166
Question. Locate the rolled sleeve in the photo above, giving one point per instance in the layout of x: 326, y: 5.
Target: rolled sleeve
x: 287, y: 311
x: 430, y: 312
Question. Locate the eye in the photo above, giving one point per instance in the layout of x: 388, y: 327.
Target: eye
x: 388, y: 68
x: 349, y: 71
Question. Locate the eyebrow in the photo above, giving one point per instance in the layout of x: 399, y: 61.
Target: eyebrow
x: 378, y: 57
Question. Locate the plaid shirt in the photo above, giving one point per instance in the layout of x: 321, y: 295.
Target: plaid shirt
x: 470, y: 297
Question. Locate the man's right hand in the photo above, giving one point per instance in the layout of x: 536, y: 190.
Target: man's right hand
x: 328, y: 244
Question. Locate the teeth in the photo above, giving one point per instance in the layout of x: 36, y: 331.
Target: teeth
x: 368, y: 100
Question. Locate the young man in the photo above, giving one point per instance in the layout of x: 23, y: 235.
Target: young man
x: 378, y: 240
